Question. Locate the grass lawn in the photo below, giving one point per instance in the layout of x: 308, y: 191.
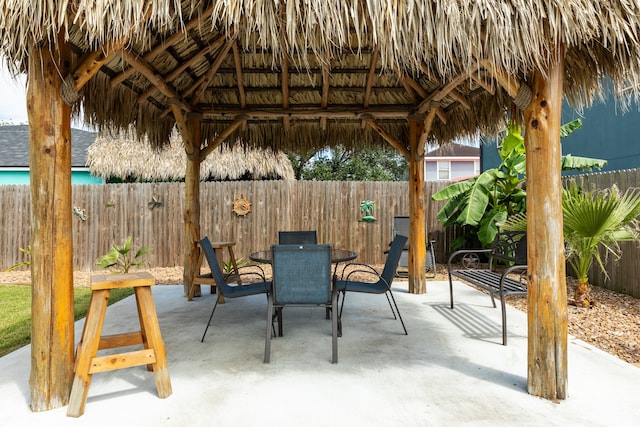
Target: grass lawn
x: 15, y: 306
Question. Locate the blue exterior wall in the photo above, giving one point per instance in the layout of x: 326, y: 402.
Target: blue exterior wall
x: 22, y: 177
x: 605, y: 134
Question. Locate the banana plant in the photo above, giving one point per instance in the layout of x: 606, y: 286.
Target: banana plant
x: 480, y: 203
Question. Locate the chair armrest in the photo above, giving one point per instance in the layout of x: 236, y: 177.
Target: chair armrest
x: 260, y: 274
x: 360, y: 268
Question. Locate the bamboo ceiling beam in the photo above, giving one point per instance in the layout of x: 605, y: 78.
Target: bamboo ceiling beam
x: 370, y: 79
x: 210, y: 74
x: 455, y: 94
x: 145, y: 69
x: 284, y: 75
x: 387, y: 137
x: 407, y: 86
x: 176, y: 72
x: 161, y: 47
x: 222, y: 136
x: 325, y: 93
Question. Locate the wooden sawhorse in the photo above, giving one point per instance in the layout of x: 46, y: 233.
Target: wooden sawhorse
x: 153, y: 355
x: 207, y: 278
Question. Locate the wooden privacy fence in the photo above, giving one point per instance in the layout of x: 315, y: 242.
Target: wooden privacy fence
x: 152, y: 214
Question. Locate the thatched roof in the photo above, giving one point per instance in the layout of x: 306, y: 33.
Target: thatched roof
x: 303, y: 73
x: 121, y: 154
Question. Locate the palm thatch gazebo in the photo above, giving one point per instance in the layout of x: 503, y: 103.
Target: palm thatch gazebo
x: 121, y: 155
x: 303, y: 74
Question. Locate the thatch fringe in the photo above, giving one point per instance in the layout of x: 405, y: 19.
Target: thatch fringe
x: 123, y: 155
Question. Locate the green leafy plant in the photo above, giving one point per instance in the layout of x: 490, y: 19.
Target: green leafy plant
x: 123, y: 257
x: 594, y: 222
x: 227, y: 267
x: 26, y: 262
x: 481, y: 203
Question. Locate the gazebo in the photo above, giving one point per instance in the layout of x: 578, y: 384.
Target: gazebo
x: 302, y: 74
x: 120, y: 154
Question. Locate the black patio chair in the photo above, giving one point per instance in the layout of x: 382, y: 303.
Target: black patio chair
x: 382, y: 284
x: 227, y: 290
x: 401, y: 226
x: 302, y: 277
x: 295, y: 237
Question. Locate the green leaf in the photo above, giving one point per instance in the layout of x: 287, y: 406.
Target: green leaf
x: 570, y: 162
x: 568, y: 128
x: 454, y: 190
x: 489, y: 226
x: 478, y: 198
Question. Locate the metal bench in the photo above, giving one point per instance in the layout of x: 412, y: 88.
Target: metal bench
x: 505, y: 272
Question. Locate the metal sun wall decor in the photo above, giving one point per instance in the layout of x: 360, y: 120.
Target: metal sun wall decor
x: 366, y: 208
x: 241, y: 206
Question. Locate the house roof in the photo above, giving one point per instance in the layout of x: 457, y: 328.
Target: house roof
x: 305, y: 74
x: 455, y: 150
x: 14, y: 146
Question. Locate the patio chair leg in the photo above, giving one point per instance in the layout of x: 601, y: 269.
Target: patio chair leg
x: 209, y: 322
x: 267, y: 338
x: 399, y: 316
x: 389, y: 301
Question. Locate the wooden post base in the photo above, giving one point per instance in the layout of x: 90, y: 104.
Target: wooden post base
x: 153, y: 353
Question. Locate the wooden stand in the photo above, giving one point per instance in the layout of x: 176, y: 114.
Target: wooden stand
x: 153, y: 355
x: 207, y: 279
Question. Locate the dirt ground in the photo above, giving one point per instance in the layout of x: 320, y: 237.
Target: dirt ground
x: 612, y: 324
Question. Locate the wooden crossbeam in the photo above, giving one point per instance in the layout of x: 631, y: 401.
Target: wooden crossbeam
x: 161, y: 47
x: 370, y: 79
x: 242, y: 96
x: 221, y: 137
x: 91, y: 63
x: 350, y: 113
x: 387, y: 137
x: 426, y: 131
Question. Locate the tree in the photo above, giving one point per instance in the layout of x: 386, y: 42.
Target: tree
x: 594, y: 222
x: 341, y: 164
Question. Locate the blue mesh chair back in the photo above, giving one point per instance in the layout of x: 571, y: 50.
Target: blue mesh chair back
x: 297, y: 237
x: 302, y: 274
x: 261, y: 287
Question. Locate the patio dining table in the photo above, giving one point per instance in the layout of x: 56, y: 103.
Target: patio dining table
x: 337, y: 256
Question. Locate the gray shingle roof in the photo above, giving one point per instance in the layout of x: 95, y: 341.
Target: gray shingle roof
x: 455, y: 150
x: 14, y: 146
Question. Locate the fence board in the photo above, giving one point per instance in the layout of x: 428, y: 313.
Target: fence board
x: 115, y: 211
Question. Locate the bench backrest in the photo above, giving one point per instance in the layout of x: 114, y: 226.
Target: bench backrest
x: 511, y: 247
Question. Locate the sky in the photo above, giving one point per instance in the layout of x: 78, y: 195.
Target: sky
x: 13, y: 101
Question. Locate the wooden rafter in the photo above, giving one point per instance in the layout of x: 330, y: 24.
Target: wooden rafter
x: 176, y: 72
x: 370, y: 79
x: 199, y: 89
x: 490, y: 88
x: 145, y: 69
x: 509, y: 83
x: 92, y: 62
x: 441, y: 93
x: 222, y: 136
x: 158, y: 49
x: 242, y: 96
x: 387, y: 137
x: 410, y: 91
x: 326, y: 74
x: 284, y: 75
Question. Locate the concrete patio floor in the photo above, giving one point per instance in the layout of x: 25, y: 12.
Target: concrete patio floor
x: 451, y: 370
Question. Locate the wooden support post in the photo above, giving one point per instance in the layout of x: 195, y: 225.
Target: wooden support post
x: 547, y: 298
x: 417, y: 243
x: 192, y: 206
x: 52, y: 334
